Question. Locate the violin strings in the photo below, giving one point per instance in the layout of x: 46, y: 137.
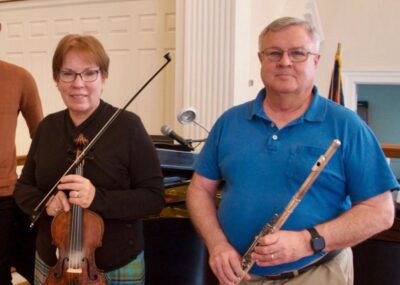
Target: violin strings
x: 75, y: 247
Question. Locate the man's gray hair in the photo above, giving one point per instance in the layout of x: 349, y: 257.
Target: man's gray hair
x: 285, y: 22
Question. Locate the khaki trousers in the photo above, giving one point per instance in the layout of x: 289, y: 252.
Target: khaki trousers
x: 338, y: 271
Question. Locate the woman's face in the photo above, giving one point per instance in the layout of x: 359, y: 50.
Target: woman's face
x: 81, y: 96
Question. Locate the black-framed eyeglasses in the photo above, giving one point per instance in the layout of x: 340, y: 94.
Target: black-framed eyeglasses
x: 295, y: 54
x: 68, y: 76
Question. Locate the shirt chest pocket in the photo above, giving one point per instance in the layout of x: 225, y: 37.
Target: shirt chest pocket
x: 300, y: 162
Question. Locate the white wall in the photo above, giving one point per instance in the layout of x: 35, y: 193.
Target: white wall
x: 251, y: 17
x: 367, y: 30
x: 135, y: 33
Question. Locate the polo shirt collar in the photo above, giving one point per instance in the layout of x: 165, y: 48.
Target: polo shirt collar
x: 316, y: 111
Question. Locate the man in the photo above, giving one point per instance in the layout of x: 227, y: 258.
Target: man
x: 263, y: 150
x: 18, y: 93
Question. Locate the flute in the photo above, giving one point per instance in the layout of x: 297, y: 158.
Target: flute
x: 279, y: 220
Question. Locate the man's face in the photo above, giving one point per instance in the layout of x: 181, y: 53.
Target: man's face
x: 284, y: 75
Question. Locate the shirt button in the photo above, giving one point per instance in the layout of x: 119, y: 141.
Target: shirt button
x: 274, y: 137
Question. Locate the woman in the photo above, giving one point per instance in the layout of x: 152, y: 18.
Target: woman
x: 121, y: 180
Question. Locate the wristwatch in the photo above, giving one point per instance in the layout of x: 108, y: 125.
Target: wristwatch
x: 317, y: 241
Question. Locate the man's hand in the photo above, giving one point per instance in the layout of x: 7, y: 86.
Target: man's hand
x: 225, y: 262
x: 282, y: 247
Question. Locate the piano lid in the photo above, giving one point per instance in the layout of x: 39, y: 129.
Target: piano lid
x: 176, y: 159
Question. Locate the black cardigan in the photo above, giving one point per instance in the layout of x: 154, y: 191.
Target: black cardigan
x: 123, y: 166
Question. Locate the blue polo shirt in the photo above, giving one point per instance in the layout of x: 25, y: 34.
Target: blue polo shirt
x: 263, y: 167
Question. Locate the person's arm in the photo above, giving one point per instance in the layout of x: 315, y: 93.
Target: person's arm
x: 31, y: 107
x: 362, y: 221
x: 144, y: 192
x: 26, y: 194
x: 200, y: 200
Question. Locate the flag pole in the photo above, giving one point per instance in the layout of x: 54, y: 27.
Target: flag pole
x: 335, y: 88
x: 339, y: 46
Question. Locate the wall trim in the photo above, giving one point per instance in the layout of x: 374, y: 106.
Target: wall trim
x: 351, y: 79
x: 15, y: 5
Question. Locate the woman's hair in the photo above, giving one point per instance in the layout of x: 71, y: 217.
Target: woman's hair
x: 285, y: 22
x: 88, y: 46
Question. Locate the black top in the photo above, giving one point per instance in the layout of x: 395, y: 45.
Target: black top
x: 123, y: 166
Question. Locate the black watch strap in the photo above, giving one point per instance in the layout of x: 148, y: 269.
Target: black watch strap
x: 313, y: 232
x: 317, y: 241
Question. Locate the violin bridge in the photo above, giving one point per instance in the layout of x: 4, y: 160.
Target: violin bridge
x: 74, y: 270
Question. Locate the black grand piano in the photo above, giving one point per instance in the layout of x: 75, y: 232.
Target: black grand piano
x: 174, y: 252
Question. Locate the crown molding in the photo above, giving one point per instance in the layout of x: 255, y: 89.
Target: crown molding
x: 23, y: 4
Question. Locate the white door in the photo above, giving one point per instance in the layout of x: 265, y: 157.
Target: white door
x: 135, y: 33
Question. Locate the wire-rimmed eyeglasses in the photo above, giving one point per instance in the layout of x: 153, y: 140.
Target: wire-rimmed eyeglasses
x: 68, y: 76
x: 295, y: 54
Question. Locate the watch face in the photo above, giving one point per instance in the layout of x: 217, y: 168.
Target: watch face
x: 318, y: 244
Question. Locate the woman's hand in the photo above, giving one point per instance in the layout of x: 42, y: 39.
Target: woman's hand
x: 57, y: 204
x: 81, y: 190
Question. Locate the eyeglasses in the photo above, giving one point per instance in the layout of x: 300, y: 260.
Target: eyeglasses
x: 295, y: 54
x: 68, y: 76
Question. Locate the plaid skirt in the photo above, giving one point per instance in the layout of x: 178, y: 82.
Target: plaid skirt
x: 132, y: 273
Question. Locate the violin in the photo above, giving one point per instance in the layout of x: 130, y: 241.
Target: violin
x: 76, y: 234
